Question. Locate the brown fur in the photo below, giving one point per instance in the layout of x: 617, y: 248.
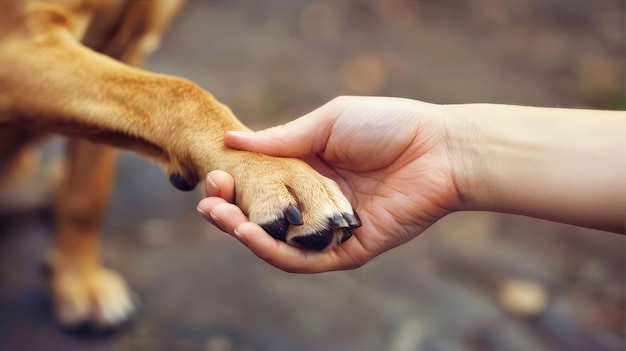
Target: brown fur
x: 70, y: 67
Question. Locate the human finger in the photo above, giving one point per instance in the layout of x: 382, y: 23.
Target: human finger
x: 305, y: 135
x: 228, y: 218
x: 222, y: 214
x: 221, y: 184
x: 205, y: 206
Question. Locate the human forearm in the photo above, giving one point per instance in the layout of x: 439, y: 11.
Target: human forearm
x: 559, y: 164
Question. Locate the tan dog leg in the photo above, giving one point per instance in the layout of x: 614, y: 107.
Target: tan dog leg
x: 17, y: 155
x: 75, y: 91
x: 21, y: 186
x: 82, y: 290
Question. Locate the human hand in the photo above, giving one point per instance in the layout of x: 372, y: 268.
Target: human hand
x: 388, y: 156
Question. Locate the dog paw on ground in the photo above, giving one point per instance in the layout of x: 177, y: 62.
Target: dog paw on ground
x: 90, y: 301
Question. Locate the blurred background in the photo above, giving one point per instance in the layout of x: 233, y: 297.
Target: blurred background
x: 474, y: 281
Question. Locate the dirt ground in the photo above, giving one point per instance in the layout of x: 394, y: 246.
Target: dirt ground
x: 274, y: 60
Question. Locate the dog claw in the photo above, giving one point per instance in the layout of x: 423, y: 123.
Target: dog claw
x: 180, y: 183
x: 278, y: 228
x: 293, y: 215
x: 353, y: 219
x: 339, y: 222
x: 347, y: 234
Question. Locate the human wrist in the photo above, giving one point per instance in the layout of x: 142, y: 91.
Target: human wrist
x: 564, y: 165
x: 463, y: 147
x: 503, y: 156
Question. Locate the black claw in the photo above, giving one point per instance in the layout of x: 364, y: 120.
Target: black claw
x: 316, y: 241
x: 338, y: 222
x: 347, y: 234
x: 277, y: 229
x: 180, y: 183
x: 353, y: 219
x: 293, y: 215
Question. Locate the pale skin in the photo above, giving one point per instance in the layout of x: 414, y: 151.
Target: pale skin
x: 404, y: 164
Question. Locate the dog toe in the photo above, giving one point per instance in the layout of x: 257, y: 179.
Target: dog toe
x: 340, y: 228
x: 278, y: 228
x: 96, y: 303
x: 315, y: 241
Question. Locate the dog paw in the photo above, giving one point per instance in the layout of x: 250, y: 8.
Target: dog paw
x: 294, y: 203
x: 94, y: 301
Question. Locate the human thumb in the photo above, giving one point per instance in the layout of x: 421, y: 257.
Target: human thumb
x: 305, y: 135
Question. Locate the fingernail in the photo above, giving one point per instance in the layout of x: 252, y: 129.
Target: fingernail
x: 202, y: 212
x: 217, y: 222
x: 212, y: 188
x: 238, y: 236
x: 211, y: 182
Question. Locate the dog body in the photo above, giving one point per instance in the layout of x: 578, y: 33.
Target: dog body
x: 70, y: 67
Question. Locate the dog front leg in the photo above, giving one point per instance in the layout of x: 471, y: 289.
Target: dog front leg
x: 50, y: 82
x: 75, y: 91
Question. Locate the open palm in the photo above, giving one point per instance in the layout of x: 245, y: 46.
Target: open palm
x: 386, y: 154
